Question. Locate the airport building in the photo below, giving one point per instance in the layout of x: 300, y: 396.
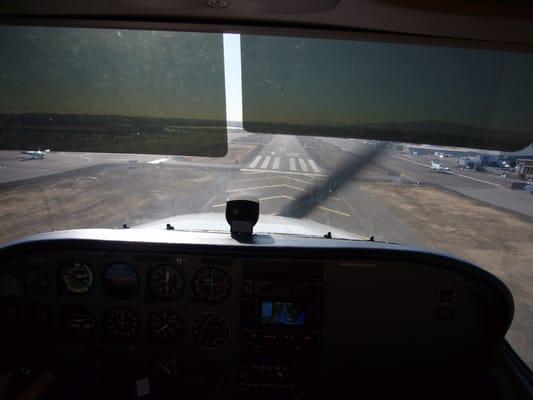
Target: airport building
x: 524, y: 168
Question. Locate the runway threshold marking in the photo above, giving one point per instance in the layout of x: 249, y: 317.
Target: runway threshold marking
x: 255, y: 162
x: 314, y: 166
x: 265, y: 162
x: 303, y: 165
x: 292, y: 164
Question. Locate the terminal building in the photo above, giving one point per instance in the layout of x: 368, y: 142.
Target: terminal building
x: 524, y: 169
x: 520, y: 161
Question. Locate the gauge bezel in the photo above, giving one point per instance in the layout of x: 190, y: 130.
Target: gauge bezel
x: 167, y: 341
x: 200, y: 298
x: 206, y: 346
x: 115, y: 336
x: 64, y: 285
x: 155, y: 293
x: 78, y: 333
x: 114, y: 293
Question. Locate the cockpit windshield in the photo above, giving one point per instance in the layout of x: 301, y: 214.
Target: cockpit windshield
x: 136, y: 129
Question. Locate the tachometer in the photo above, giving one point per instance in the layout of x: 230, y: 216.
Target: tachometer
x: 211, y: 285
x: 121, y: 279
x: 77, y: 277
x: 210, y: 329
x: 121, y: 323
x: 166, y: 282
x: 167, y: 326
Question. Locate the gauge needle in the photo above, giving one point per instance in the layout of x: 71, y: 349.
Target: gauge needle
x: 205, y: 324
x: 164, y: 327
x: 162, y: 366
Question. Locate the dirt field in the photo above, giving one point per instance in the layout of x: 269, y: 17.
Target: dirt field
x: 497, y: 241
x: 103, y: 197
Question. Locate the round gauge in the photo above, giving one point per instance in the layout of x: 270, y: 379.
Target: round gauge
x: 36, y: 280
x: 211, y: 285
x: 77, y: 277
x: 210, y: 329
x: 121, y: 279
x: 166, y: 282
x: 166, y: 368
x: 77, y: 321
x: 167, y: 377
x: 167, y: 326
x: 209, y: 375
x: 121, y: 323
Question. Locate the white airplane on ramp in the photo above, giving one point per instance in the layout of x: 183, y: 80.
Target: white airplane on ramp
x: 35, y: 154
x: 436, y: 167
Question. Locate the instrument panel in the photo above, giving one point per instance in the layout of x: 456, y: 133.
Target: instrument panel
x: 159, y: 315
x: 127, y: 300
x: 262, y: 325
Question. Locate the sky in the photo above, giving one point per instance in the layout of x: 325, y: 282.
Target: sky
x: 232, y: 70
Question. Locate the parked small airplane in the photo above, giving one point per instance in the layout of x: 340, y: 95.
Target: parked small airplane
x: 435, y: 167
x: 35, y: 154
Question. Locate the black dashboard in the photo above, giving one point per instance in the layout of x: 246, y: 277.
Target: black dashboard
x: 151, y: 314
